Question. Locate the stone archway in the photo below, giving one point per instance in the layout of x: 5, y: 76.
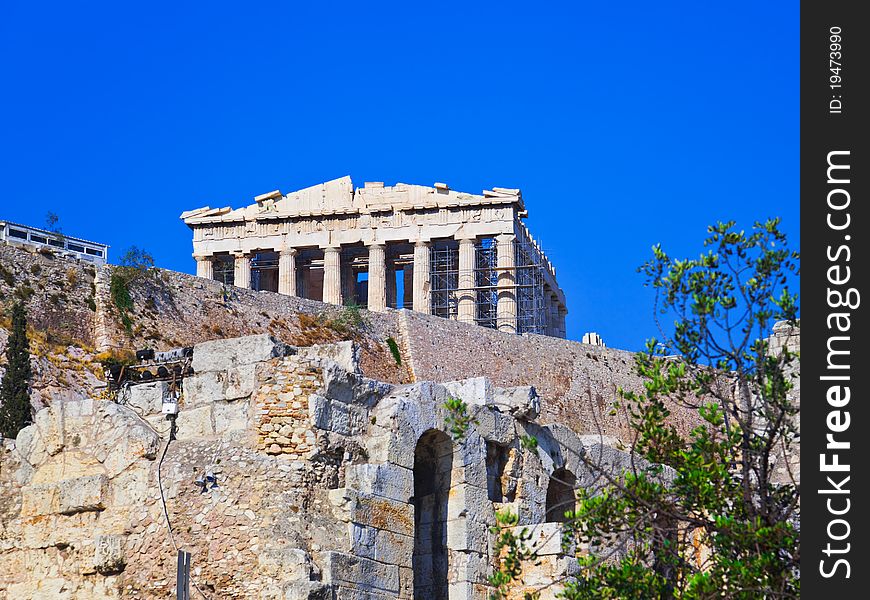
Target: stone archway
x: 433, y: 463
x: 561, y: 495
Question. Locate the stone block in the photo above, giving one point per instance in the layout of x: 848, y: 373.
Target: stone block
x: 147, y: 398
x: 131, y: 488
x: 360, y: 573
x: 467, y: 534
x: 39, y: 500
x: 465, y: 590
x: 49, y: 422
x: 29, y: 445
x: 382, y: 546
x: 196, y: 422
x: 338, y: 417
x: 384, y: 480
x: 241, y: 382
x: 230, y: 416
x: 473, y: 391
x: 545, y: 539
x: 220, y: 355
x: 131, y: 441
x: 306, y: 590
x: 204, y: 388
x: 345, y: 354
x: 284, y: 564
x: 109, y: 554
x: 469, y: 501
x: 380, y: 513
x: 495, y: 426
x: 82, y: 494
x: 69, y: 496
x: 469, y: 566
x: 522, y: 401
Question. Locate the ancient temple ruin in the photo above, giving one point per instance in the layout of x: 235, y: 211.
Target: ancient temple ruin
x: 462, y: 256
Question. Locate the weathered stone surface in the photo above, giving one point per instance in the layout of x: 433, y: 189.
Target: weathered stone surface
x: 204, y: 388
x: 108, y: 554
x: 361, y: 573
x: 338, y: 417
x: 82, y: 494
x: 241, y: 381
x: 381, y: 545
x: 387, y: 481
x: 230, y: 416
x: 476, y: 390
x: 522, y: 402
x: 346, y: 354
x: 315, y: 471
x: 381, y: 513
x: 147, y: 398
x: 220, y: 355
x: 545, y: 539
x: 196, y: 422
x: 494, y: 426
x: 30, y: 446
x: 285, y: 564
x: 67, y: 496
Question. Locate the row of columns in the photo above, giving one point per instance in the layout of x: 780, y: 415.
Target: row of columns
x: 379, y: 285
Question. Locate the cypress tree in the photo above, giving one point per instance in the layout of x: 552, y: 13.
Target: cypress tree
x: 15, y: 409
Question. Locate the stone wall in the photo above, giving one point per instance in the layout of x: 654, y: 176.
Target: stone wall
x: 578, y: 382
x: 338, y: 510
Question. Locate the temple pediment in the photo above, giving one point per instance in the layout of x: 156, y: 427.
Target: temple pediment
x: 338, y: 197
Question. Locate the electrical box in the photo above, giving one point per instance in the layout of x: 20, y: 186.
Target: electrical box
x: 170, y: 407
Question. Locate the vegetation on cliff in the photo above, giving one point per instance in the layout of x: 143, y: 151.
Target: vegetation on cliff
x: 15, y: 410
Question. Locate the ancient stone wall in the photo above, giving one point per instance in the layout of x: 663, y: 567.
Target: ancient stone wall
x: 578, y: 382
x: 354, y: 502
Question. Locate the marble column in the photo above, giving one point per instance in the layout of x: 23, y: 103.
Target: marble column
x: 422, y: 267
x: 506, y: 310
x: 467, y: 309
x: 552, y: 316
x: 563, y: 331
x: 204, y: 267
x: 348, y: 281
x: 287, y: 272
x: 332, y: 275
x: 242, y: 270
x: 377, y: 278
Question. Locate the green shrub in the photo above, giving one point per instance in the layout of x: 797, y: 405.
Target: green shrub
x: 394, y: 350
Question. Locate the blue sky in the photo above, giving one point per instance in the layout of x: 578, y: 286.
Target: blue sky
x: 625, y: 124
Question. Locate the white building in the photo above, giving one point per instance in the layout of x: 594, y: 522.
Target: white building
x: 33, y: 237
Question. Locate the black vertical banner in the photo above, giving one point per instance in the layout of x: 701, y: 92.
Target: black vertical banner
x: 835, y: 374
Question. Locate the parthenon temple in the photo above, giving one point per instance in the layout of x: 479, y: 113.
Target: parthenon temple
x: 462, y: 256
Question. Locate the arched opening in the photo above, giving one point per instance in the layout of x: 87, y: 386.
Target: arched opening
x: 433, y: 462
x: 560, y: 495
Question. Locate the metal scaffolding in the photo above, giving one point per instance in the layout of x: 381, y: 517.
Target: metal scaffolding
x: 444, y: 279
x: 528, y: 284
x: 532, y: 308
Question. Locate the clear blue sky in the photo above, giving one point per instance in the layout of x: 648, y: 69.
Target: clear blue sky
x: 624, y: 124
